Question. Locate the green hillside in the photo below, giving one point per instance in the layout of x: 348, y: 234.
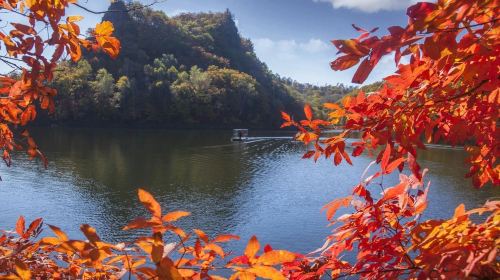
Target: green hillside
x: 192, y: 70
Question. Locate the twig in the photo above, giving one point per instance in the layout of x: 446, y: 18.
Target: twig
x: 382, y: 271
x: 463, y: 27
x: 118, y: 11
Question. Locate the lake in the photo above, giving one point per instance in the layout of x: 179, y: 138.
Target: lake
x: 261, y: 187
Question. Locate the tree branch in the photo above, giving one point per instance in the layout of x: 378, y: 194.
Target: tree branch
x: 382, y: 271
x: 462, y: 27
x: 118, y: 11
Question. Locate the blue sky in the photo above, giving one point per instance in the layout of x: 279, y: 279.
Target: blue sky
x: 293, y: 36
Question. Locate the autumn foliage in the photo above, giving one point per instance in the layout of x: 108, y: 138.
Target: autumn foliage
x: 34, y: 47
x: 447, y: 92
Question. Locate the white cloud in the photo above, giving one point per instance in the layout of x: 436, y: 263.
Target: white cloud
x: 371, y: 6
x: 315, y: 45
x: 289, y: 49
x: 308, y: 61
x: 177, y: 12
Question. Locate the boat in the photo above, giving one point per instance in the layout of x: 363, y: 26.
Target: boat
x: 239, y: 135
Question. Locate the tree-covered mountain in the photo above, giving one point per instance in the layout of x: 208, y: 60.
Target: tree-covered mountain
x: 192, y: 69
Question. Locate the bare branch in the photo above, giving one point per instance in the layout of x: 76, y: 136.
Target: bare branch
x: 118, y: 11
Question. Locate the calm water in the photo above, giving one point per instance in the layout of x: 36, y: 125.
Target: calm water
x: 261, y: 188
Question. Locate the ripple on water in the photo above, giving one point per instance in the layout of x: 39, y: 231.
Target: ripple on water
x: 260, y: 187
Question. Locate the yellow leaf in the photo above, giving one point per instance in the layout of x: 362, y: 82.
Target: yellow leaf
x: 74, y: 18
x: 22, y: 270
x: 276, y: 257
x: 266, y: 272
x: 242, y: 276
x: 104, y: 28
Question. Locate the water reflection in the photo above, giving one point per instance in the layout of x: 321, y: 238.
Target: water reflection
x: 259, y: 188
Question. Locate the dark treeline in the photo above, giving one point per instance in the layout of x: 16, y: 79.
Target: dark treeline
x: 190, y: 70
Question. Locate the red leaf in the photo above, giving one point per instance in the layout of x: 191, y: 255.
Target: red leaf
x: 309, y: 154
x: 267, y: 248
x: 24, y: 28
x: 364, y: 69
x: 357, y: 151
x: 420, y: 10
x: 385, y: 157
x: 396, y: 31
x: 337, y: 159
x: 414, y: 167
x: 358, y: 28
x: 20, y: 225
x: 34, y: 226
x: 286, y: 117
x: 347, y: 158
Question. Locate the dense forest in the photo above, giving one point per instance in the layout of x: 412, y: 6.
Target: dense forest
x: 189, y: 70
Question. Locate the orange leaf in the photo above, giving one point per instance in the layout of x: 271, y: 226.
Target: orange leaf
x: 104, y: 28
x: 393, y: 192
x: 459, y: 211
x: 20, y: 226
x: 225, y: 238
x: 252, y: 247
x: 167, y: 270
x: 202, y: 235
x: 216, y: 248
x: 150, y: 203
x: 174, y: 216
x: 90, y: 233
x: 344, y: 62
x: 332, y: 207
x: 241, y: 275
x: 393, y: 165
x: 332, y: 106
x: 140, y: 223
x: 59, y: 233
x: 351, y: 46
x: 308, y: 112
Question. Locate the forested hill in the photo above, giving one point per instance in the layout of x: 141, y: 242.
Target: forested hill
x: 192, y: 70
